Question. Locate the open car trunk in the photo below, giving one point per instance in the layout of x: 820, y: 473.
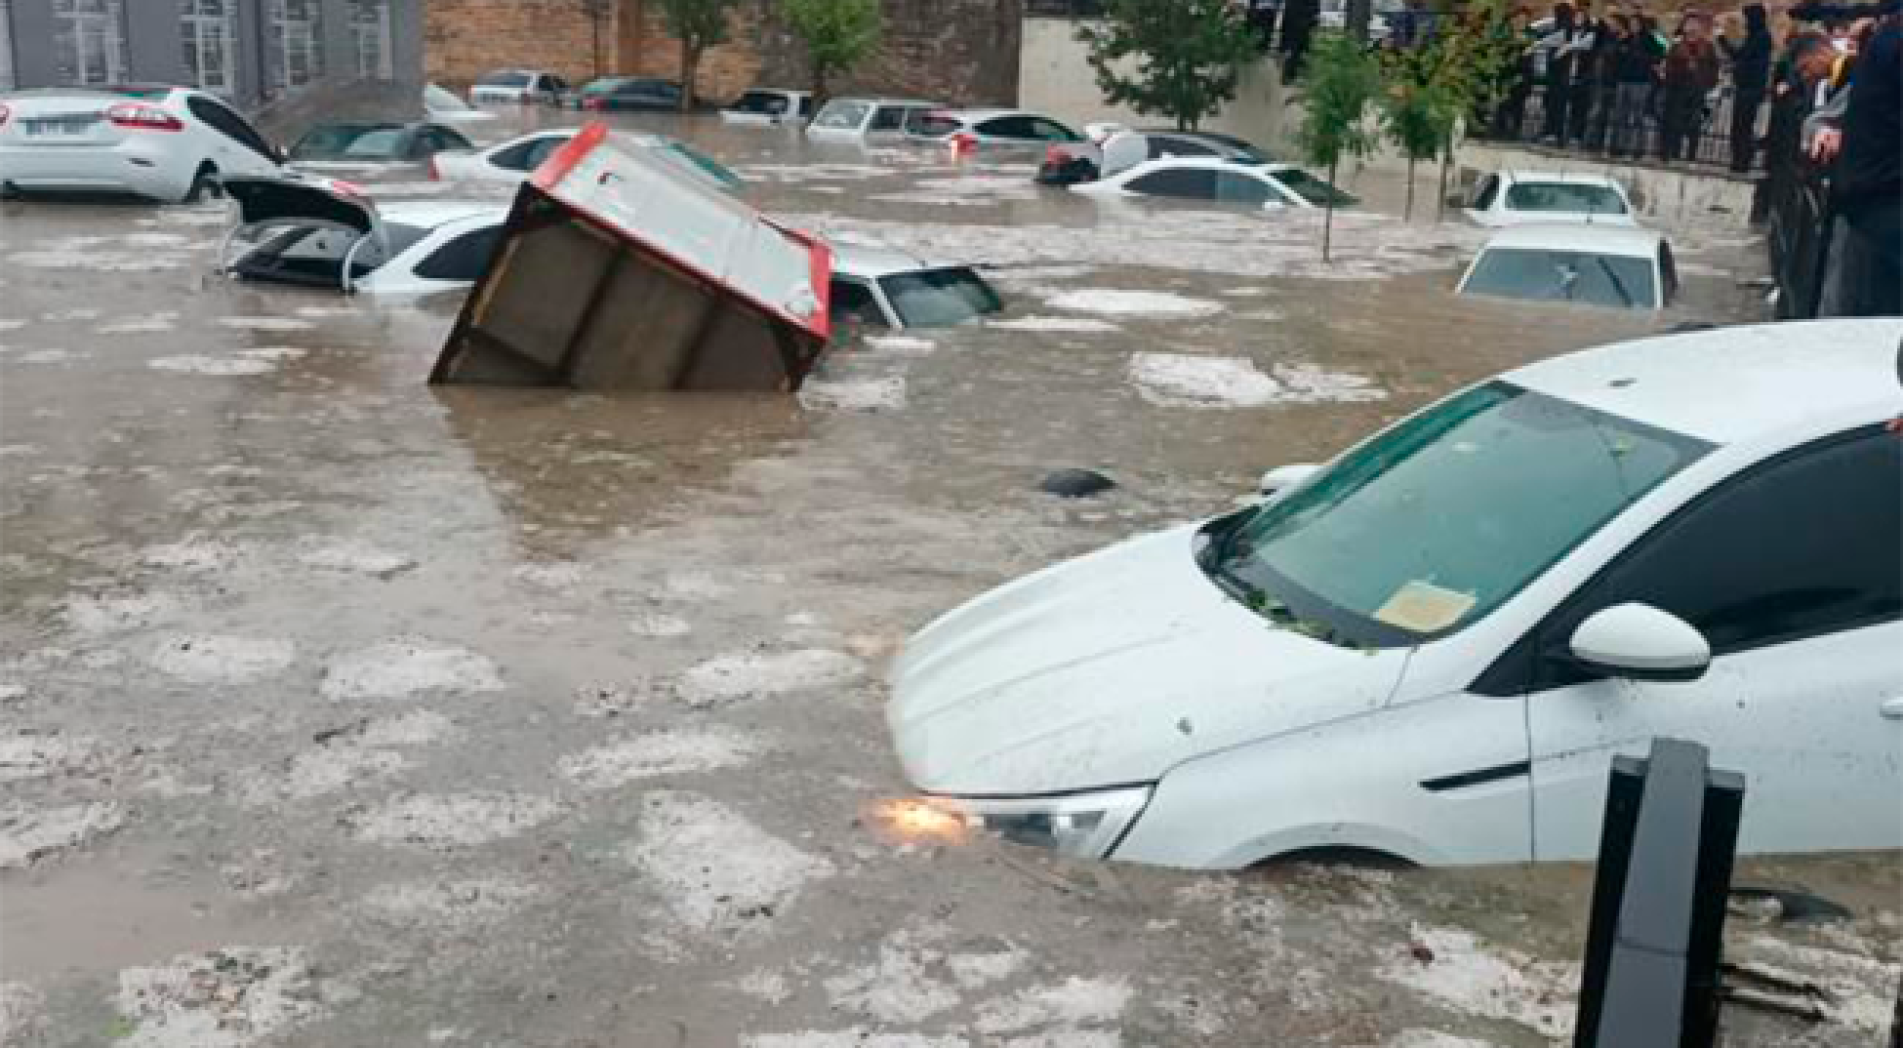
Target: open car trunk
x: 306, y: 231
x: 616, y: 272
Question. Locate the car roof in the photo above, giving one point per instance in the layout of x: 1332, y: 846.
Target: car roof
x: 432, y: 213
x: 1221, y: 163
x: 876, y: 100
x: 975, y: 115
x: 862, y: 260
x: 1579, y: 236
x: 1582, y: 178
x: 776, y: 91
x: 1733, y: 384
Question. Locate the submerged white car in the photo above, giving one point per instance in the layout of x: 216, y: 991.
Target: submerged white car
x: 170, y: 144
x: 319, y: 233
x: 882, y: 288
x: 769, y: 107
x: 514, y: 160
x: 1513, y: 198
x: 1431, y: 648
x: 855, y: 119
x: 1624, y: 267
x: 1220, y: 180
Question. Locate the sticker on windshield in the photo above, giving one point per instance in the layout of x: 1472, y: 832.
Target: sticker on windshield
x: 1422, y: 607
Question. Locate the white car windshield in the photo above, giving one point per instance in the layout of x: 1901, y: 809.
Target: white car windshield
x: 940, y: 297
x: 504, y: 80
x: 1622, y: 281
x: 1564, y: 198
x: 845, y: 115
x: 1435, y: 522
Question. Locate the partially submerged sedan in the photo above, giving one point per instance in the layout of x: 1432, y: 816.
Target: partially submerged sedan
x: 1516, y: 198
x: 375, y: 143
x: 1618, y: 266
x: 883, y: 288
x: 1432, y: 648
x: 514, y: 160
x: 1220, y: 180
x: 319, y: 233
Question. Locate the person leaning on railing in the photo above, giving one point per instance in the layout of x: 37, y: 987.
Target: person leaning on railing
x: 1864, y: 148
x: 1750, y: 77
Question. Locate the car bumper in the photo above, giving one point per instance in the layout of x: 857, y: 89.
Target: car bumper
x: 122, y: 168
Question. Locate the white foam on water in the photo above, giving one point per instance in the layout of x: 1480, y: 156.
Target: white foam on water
x: 659, y: 624
x: 1076, y: 1002
x: 217, y: 367
x: 404, y: 667
x: 854, y: 1037
x: 1070, y: 325
x: 716, y: 870
x: 910, y: 345
x: 1187, y: 380
x: 278, y: 324
x: 12, y: 325
x: 452, y: 820
x: 678, y: 752
x: 321, y: 772
x: 357, y: 558
x: 50, y: 356
x: 117, y: 612
x: 885, y: 393
x: 727, y: 678
x: 27, y: 834
x: 215, y: 658
x: 1472, y: 977
x: 695, y: 585
x: 557, y: 576
x: 68, y: 316
x: 235, y: 997
x: 22, y: 1014
x: 456, y: 904
x: 1120, y: 303
x: 152, y: 325
x: 94, y: 259
x: 1434, y: 1039
x: 416, y: 728
x: 1862, y: 988
x: 190, y: 555
x: 901, y: 987
x: 25, y: 756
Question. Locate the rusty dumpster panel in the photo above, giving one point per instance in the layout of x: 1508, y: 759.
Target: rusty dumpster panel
x: 615, y: 273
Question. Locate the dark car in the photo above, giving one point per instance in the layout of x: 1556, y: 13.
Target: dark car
x: 615, y: 93
x: 376, y: 143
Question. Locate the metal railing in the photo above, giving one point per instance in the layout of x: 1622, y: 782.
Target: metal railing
x: 1591, y: 134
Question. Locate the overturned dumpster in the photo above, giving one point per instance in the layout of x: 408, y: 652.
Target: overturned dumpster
x: 615, y: 273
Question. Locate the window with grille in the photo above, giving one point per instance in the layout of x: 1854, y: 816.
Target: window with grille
x: 297, y: 38
x: 207, y: 29
x: 89, y: 41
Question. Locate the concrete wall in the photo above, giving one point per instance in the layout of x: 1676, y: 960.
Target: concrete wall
x: 1671, y: 195
x: 1054, y: 76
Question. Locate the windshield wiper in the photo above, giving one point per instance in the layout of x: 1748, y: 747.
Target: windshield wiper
x: 1617, y: 284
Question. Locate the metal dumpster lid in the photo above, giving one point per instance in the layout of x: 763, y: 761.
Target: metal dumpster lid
x: 781, y: 270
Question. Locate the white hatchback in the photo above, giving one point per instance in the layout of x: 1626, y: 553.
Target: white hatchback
x: 1219, y: 180
x: 1433, y: 647
x: 1512, y: 198
x: 856, y: 119
x: 170, y: 144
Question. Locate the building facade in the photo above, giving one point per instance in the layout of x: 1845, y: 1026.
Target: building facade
x: 246, y: 50
x: 955, y: 51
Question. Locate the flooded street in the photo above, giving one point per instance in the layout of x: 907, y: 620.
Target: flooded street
x: 336, y: 709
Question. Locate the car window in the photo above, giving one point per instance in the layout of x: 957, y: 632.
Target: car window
x: 375, y: 145
x: 1170, y: 145
x: 220, y: 118
x: 1668, y: 271
x: 1564, y: 197
x: 925, y: 122
x: 313, y: 254
x: 1018, y: 127
x: 504, y: 80
x: 1233, y: 187
x: 1052, y: 131
x: 940, y: 297
x: 765, y: 102
x: 686, y: 155
x: 1621, y: 281
x: 1430, y: 525
x: 1489, y: 191
x: 463, y: 258
x: 516, y: 157
x: 540, y: 150
x: 1801, y: 546
x: 853, y: 303
x: 1193, y: 183
x: 442, y: 100
x: 1314, y: 190
x: 555, y: 83
x: 806, y: 106
x: 890, y: 118
x: 843, y: 115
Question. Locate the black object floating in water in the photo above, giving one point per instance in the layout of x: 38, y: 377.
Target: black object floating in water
x: 1076, y: 483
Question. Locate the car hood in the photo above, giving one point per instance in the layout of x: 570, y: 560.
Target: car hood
x: 1110, y: 670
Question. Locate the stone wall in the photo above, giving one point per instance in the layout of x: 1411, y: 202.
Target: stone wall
x: 962, y: 52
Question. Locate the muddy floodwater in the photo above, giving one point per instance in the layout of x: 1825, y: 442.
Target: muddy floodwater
x: 337, y: 710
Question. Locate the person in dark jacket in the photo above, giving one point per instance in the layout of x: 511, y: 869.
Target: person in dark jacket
x: 1866, y: 185
x: 1561, y: 55
x: 1598, y: 85
x: 1632, y: 73
x: 1298, y: 24
x: 1750, y: 77
x: 1691, y: 72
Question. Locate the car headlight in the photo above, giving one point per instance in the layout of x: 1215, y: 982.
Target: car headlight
x: 1086, y: 825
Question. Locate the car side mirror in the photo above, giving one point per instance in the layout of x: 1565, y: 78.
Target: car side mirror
x: 1273, y: 205
x: 1283, y: 479
x: 1641, y: 642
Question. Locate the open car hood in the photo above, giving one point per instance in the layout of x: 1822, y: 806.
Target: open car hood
x: 278, y: 198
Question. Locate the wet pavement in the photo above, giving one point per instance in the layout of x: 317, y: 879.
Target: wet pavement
x: 340, y: 710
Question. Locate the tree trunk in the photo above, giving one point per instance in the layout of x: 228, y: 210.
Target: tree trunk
x: 690, y: 67
x: 1446, y: 156
x: 1407, y: 210
x: 1358, y: 15
x: 1328, y: 218
x: 819, y: 86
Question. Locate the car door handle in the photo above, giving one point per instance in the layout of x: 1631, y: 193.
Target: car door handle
x: 1893, y: 708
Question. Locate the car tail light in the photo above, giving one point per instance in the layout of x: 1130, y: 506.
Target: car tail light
x: 591, y: 103
x: 143, y: 117
x: 1053, y: 155
x: 4, y: 114
x: 348, y: 188
x: 435, y: 173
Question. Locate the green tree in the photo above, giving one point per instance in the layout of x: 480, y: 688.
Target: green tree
x: 838, y: 34
x: 698, y: 25
x: 1340, y: 82
x: 1414, y: 110
x: 1174, y: 58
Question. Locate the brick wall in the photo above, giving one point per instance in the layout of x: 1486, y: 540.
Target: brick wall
x: 956, y: 51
